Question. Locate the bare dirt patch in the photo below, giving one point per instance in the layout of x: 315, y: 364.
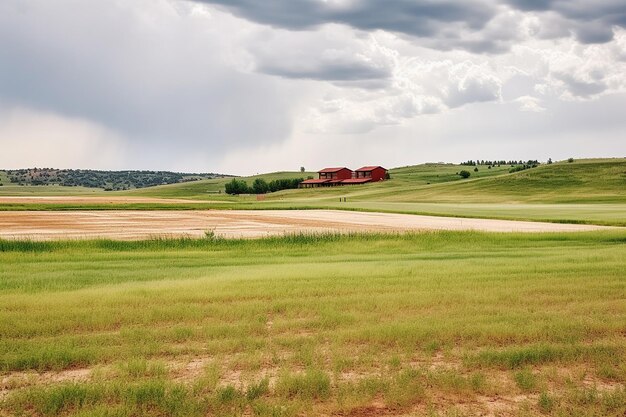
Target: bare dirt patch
x: 93, y: 200
x: 24, y: 379
x: 133, y: 225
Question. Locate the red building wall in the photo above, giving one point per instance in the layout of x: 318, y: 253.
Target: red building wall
x: 342, y: 174
x: 375, y: 173
x: 378, y: 174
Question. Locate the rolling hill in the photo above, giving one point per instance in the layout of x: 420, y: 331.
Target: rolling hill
x: 585, y: 191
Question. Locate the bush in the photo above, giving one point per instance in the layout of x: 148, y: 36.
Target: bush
x: 285, y: 184
x: 476, y: 169
x: 259, y: 186
x: 465, y: 174
x: 237, y: 187
x: 570, y: 160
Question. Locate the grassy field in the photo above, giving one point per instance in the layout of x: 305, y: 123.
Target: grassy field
x: 421, y: 324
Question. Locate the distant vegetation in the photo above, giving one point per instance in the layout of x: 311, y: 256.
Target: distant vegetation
x: 107, y: 180
x: 260, y: 186
x: 502, y: 162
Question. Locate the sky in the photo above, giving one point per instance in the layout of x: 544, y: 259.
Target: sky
x: 248, y: 86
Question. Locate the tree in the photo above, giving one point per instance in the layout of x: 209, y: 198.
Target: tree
x: 570, y: 160
x: 259, y: 186
x: 476, y: 169
x: 465, y: 174
x: 302, y: 169
x: 236, y: 187
x: 549, y: 161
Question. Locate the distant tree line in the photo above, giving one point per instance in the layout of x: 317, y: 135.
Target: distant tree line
x: 107, y: 180
x: 260, y: 186
x: 516, y: 166
x: 498, y: 163
x: 522, y: 167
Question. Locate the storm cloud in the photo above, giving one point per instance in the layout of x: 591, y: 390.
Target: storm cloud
x: 242, y: 86
x: 591, y: 22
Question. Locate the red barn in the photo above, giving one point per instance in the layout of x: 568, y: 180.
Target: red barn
x: 342, y: 173
x: 329, y: 176
x: 373, y: 173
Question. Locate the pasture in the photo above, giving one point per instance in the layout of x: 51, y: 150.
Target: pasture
x: 439, y: 323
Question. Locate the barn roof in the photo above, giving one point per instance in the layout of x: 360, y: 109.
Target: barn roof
x: 356, y: 181
x: 314, y: 181
x: 370, y: 168
x: 334, y: 169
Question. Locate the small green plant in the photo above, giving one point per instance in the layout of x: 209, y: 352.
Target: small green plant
x: 545, y: 402
x: 209, y: 234
x: 525, y: 379
x: 313, y: 384
x: 465, y: 174
x: 258, y: 390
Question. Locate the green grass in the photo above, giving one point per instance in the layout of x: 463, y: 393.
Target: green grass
x: 49, y: 190
x: 310, y: 325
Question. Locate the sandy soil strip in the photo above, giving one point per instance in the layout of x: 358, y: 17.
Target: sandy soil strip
x: 92, y: 200
x: 130, y: 225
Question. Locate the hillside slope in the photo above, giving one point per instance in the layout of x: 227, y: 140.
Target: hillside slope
x: 584, y: 181
x: 209, y: 189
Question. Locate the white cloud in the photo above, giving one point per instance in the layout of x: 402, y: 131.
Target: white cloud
x: 529, y: 103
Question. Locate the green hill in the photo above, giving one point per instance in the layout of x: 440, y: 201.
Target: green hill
x: 209, y: 189
x: 588, y: 181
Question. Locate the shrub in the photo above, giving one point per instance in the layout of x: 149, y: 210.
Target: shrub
x: 570, y: 160
x: 476, y: 169
x: 259, y: 186
x: 465, y: 174
x: 237, y: 187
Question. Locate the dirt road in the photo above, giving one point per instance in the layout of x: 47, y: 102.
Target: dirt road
x: 130, y: 225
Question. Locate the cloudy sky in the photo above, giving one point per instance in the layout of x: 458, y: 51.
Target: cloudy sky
x: 246, y: 86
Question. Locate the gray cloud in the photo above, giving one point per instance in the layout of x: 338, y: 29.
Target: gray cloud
x: 329, y: 71
x: 591, y: 22
x: 405, y: 16
x: 159, y: 80
x: 581, y: 88
x: 442, y: 20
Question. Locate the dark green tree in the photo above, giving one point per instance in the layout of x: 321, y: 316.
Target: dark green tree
x: 259, y: 186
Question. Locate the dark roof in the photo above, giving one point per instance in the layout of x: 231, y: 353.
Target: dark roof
x: 316, y: 181
x: 356, y: 181
x: 334, y: 169
x: 370, y: 168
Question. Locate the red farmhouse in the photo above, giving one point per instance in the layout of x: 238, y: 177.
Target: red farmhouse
x: 344, y: 176
x: 374, y: 174
x: 329, y: 176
